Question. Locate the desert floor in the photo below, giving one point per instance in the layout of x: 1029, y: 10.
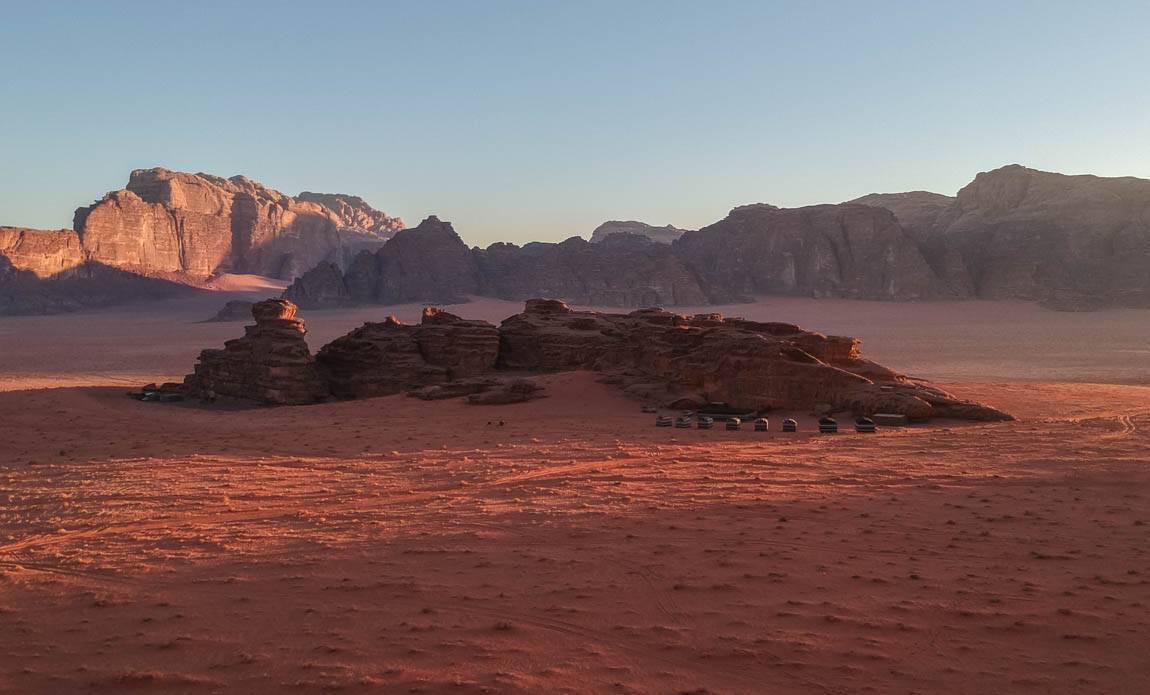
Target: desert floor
x: 567, y: 545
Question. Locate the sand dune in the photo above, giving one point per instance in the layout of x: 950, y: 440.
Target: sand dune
x: 398, y: 545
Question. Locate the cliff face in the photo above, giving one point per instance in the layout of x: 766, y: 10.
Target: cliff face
x: 180, y: 229
x: 197, y: 225
x: 822, y: 251
x: 1025, y: 234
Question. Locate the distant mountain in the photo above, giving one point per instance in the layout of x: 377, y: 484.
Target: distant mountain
x: 182, y: 229
x: 1069, y: 241
x: 430, y: 263
x: 663, y: 235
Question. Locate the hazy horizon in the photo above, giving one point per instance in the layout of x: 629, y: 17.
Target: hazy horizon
x: 539, y: 121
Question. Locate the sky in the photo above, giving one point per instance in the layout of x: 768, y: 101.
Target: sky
x: 538, y: 120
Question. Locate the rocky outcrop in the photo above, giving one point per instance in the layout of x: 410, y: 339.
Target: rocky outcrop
x: 747, y: 364
x: 271, y: 364
x: 651, y: 353
x: 322, y: 287
x: 853, y: 251
x: 388, y: 357
x: 663, y: 235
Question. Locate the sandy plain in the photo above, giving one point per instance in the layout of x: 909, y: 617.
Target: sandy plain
x: 567, y: 545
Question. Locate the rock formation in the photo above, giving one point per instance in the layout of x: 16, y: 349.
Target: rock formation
x: 757, y: 366
x: 663, y: 235
x: 651, y: 353
x: 380, y: 359
x: 197, y: 225
x: 271, y: 364
x: 184, y: 228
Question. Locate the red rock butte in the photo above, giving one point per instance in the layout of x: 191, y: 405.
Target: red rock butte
x: 654, y: 355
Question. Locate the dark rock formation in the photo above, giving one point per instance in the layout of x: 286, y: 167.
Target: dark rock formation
x: 389, y: 357
x: 322, y: 287
x: 663, y: 235
x: 746, y: 364
x: 822, y: 251
x: 271, y: 364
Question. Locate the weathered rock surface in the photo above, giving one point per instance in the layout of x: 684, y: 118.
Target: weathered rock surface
x: 388, y: 357
x: 663, y: 235
x: 746, y: 364
x: 271, y: 364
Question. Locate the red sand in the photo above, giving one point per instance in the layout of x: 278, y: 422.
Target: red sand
x: 397, y: 545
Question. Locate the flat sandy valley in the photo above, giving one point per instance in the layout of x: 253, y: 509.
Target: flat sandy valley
x: 567, y: 545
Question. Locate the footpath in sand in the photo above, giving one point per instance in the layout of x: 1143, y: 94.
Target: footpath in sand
x: 396, y: 545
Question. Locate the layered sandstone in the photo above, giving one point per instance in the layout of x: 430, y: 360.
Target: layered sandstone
x: 747, y: 364
x: 653, y: 354
x: 389, y: 357
x: 271, y: 364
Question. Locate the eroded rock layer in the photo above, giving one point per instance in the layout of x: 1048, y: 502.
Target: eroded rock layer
x: 271, y: 364
x: 654, y: 354
x: 747, y: 364
x: 379, y: 359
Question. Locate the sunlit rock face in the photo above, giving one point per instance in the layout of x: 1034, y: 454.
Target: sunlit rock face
x: 198, y: 225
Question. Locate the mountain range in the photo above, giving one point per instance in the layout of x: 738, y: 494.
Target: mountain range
x: 1072, y: 242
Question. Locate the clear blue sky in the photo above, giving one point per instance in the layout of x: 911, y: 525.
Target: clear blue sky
x: 538, y: 120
